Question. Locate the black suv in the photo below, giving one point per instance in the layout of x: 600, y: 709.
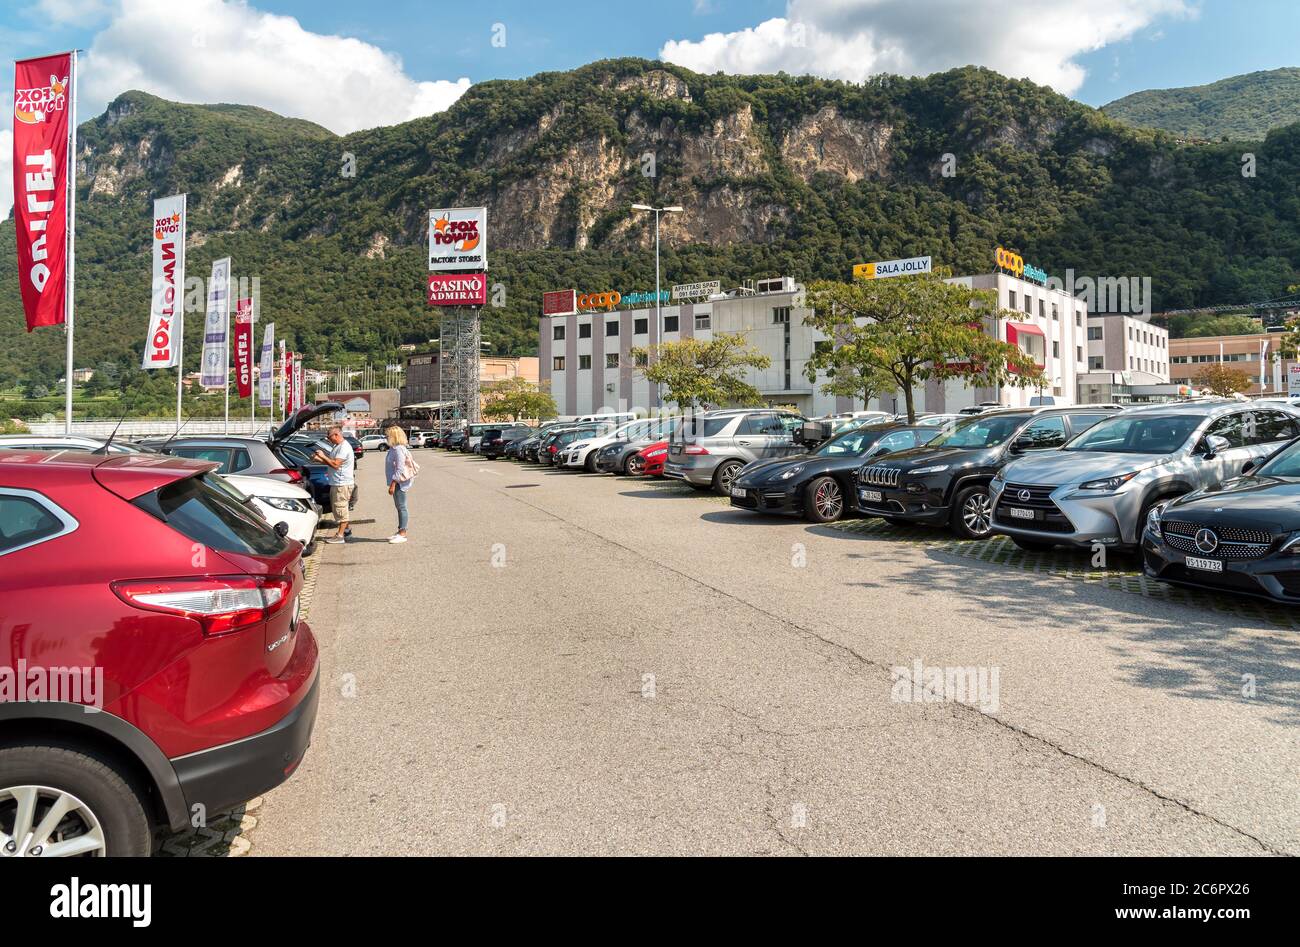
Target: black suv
x: 496, y: 440
x: 946, y: 482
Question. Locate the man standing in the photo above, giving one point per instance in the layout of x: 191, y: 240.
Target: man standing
x: 342, y: 463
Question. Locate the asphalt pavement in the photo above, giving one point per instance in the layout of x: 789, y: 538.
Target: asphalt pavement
x: 567, y: 663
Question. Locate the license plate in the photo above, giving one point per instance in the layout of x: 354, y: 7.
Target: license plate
x: 1207, y: 565
x: 1020, y: 513
x: 871, y: 496
x: 739, y: 492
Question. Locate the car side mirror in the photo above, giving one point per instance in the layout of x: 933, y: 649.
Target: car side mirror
x: 1214, y: 445
x: 1022, y: 444
x: 281, y: 529
x: 1250, y: 466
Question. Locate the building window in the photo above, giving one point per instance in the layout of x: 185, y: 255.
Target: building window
x: 822, y: 348
x: 781, y: 314
x: 703, y: 321
x: 584, y: 362
x: 584, y: 330
x: 1029, y: 305
x: 611, y: 360
x: 557, y: 333
x: 1042, y: 310
x: 1095, y: 362
x: 557, y: 363
x: 1094, y: 333
x: 1078, y: 318
x: 641, y: 359
x: 1011, y: 299
x: 670, y: 323
x: 611, y: 328
x: 639, y: 326
x: 1056, y: 349
x: 1078, y: 353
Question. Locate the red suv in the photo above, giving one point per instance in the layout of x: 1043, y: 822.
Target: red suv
x: 157, y: 671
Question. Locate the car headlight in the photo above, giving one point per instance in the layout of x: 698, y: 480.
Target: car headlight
x: 1153, y: 518
x: 1109, y: 484
x: 658, y: 453
x: 792, y: 472
x: 922, y: 471
x: 578, y: 446
x: 1291, y: 545
x: 288, y: 504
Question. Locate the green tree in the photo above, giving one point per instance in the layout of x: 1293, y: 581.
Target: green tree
x: 699, y: 373
x: 1223, y: 381
x: 516, y: 398
x: 847, y: 376
x: 913, y: 328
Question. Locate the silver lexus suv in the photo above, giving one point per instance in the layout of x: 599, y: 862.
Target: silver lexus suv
x: 1099, y: 487
x: 708, y: 450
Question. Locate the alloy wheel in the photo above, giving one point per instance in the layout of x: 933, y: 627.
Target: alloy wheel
x: 42, y: 822
x: 976, y: 513
x: 726, y: 476
x: 829, y: 500
x: 635, y: 466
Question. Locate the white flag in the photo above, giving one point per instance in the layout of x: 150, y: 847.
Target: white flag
x: 166, y: 307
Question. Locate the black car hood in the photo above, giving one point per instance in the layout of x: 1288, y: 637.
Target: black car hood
x: 766, y: 471
x: 928, y: 456
x: 1267, y: 503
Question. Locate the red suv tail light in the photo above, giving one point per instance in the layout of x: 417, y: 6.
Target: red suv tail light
x: 295, y: 476
x: 219, y: 604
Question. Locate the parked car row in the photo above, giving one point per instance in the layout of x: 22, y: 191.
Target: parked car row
x: 168, y: 582
x: 1204, y: 490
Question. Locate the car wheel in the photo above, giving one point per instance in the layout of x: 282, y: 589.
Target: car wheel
x: 59, y: 802
x: 972, y: 513
x: 824, y: 502
x: 589, y: 464
x: 309, y: 549
x: 1032, y: 545
x: 724, y: 476
x: 635, y: 466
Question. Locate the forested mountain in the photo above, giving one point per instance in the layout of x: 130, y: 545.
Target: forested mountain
x: 778, y: 175
x: 1240, y: 108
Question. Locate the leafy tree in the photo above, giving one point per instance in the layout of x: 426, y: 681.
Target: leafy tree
x: 13, y: 426
x: 1223, y: 325
x: 699, y: 373
x: 1223, y: 381
x: 516, y: 398
x: 848, y: 375
x: 913, y: 328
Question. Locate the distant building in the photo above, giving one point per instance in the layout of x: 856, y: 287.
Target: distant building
x: 365, y: 409
x: 423, y: 377
x: 1255, y: 354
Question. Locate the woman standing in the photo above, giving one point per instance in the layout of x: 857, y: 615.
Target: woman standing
x: 400, y: 468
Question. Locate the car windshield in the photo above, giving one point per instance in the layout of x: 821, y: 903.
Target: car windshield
x: 1284, y: 464
x: 849, y: 444
x: 981, y: 431
x: 1138, y: 434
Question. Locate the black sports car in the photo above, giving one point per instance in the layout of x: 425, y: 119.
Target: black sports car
x: 820, y: 484
x: 1242, y: 535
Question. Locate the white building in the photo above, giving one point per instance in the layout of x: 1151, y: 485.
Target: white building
x: 1124, y: 344
x: 586, y: 358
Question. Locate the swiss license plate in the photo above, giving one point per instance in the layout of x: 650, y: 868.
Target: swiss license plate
x: 871, y: 496
x: 738, y: 492
x: 1206, y: 565
x: 1020, y: 513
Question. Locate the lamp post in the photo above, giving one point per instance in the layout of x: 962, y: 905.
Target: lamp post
x: 659, y: 323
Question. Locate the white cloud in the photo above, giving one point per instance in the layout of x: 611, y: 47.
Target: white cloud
x: 72, y: 11
x: 854, y: 39
x: 216, y: 51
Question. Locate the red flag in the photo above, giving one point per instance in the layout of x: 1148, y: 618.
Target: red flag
x: 42, y: 107
x: 244, y: 347
x: 289, y: 407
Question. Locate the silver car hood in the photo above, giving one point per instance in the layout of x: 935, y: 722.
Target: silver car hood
x: 1058, y: 467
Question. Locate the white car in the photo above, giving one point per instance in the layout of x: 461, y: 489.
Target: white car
x: 54, y: 442
x: 582, y: 452
x: 280, y: 503
x: 374, y: 442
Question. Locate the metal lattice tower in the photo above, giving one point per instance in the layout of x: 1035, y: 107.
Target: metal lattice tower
x: 458, y: 362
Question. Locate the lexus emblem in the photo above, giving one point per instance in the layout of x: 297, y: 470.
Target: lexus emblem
x: 1023, y: 496
x: 1207, y: 540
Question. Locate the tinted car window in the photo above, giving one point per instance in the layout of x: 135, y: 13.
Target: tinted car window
x: 220, y: 455
x: 925, y: 437
x: 1081, y: 422
x: 205, y: 514
x: 1043, y: 434
x: 756, y: 424
x: 241, y: 461
x: 849, y: 444
x: 980, y: 431
x: 24, y: 521
x: 705, y: 427
x: 1232, y: 428
x: 1269, y: 427
x: 1285, y: 464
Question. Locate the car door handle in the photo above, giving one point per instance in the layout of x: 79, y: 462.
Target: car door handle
x: 743, y: 443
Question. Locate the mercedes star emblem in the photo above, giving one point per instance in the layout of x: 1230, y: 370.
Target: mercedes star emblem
x: 1207, y: 540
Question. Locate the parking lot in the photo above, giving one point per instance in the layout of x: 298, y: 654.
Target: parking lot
x: 572, y: 663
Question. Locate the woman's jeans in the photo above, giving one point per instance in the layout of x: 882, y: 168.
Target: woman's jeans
x: 399, y: 501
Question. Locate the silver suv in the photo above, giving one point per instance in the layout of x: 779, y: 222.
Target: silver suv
x: 709, y: 449
x: 1099, y: 487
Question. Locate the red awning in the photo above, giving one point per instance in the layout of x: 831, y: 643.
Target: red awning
x: 1015, y: 329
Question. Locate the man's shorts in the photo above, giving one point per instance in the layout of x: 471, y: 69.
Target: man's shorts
x: 339, y: 497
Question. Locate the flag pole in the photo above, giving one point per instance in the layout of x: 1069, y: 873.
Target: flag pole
x: 225, y: 355
x: 180, y: 335
x: 70, y: 297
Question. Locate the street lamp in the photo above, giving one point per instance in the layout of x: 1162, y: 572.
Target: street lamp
x: 659, y: 322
